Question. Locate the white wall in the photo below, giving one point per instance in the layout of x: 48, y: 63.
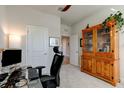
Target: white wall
x: 3, y: 27
x: 98, y: 18
x: 19, y: 16
x: 65, y: 30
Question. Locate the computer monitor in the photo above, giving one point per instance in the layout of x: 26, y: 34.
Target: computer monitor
x: 10, y: 57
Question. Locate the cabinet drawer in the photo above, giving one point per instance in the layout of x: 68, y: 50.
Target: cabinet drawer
x: 87, y: 54
x: 105, y: 55
x: 87, y: 57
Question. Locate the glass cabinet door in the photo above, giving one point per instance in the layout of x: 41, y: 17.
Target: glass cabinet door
x: 88, y: 41
x: 103, y: 40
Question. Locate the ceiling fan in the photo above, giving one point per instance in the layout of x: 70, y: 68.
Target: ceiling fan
x: 65, y: 8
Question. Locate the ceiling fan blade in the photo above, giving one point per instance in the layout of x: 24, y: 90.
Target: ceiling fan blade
x: 66, y: 8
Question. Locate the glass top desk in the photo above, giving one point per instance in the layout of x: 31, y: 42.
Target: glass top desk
x: 19, y: 79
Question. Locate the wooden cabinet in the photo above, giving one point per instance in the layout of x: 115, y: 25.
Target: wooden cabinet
x: 100, y: 52
x: 87, y: 64
x: 104, y: 68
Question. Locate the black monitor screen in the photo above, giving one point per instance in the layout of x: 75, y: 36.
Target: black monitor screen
x: 10, y: 57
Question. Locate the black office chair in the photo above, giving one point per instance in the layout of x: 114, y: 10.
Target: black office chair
x: 52, y: 80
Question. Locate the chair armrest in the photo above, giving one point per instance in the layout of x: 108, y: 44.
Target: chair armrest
x: 40, y: 67
x: 46, y: 78
x: 29, y: 67
x: 40, y: 70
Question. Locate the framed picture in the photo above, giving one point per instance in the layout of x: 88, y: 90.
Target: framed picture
x: 53, y: 41
x: 80, y: 42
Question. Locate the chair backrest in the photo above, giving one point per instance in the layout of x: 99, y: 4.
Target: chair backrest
x: 57, y: 62
x: 32, y: 73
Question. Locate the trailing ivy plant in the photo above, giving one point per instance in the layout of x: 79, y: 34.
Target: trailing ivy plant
x: 118, y: 19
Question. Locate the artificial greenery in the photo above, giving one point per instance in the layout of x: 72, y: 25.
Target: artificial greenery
x: 118, y: 19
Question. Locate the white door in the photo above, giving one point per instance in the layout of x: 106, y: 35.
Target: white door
x: 37, y: 47
x: 74, y: 50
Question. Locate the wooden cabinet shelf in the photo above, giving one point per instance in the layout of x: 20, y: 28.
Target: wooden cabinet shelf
x: 105, y: 33
x: 100, y: 53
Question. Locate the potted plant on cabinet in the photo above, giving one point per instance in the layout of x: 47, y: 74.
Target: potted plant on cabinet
x: 117, y: 18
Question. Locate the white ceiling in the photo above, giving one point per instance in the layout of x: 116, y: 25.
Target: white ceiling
x: 73, y: 15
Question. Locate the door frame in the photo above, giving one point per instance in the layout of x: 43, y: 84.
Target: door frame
x: 69, y: 44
